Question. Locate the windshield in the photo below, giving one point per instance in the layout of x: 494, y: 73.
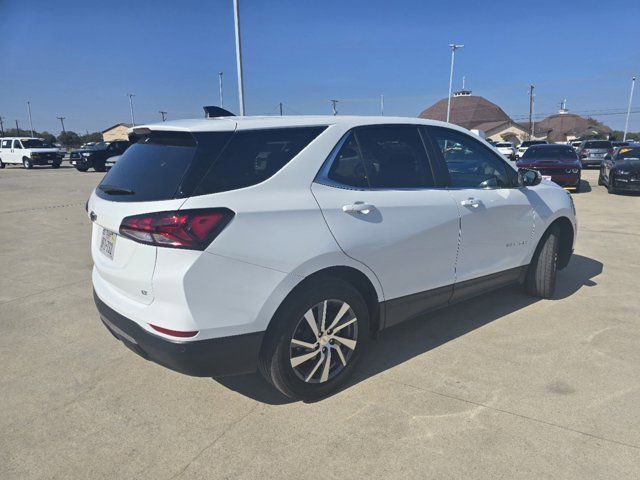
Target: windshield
x: 528, y: 143
x: 508, y: 145
x: 628, y: 154
x: 98, y: 146
x: 550, y: 153
x: 36, y: 143
x: 598, y: 144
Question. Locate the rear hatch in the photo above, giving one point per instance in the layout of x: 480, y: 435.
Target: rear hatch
x: 596, y: 149
x: 151, y: 176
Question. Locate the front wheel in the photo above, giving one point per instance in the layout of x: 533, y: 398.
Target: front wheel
x: 55, y: 165
x: 317, y: 337
x: 26, y: 163
x: 541, y: 276
x: 611, y: 184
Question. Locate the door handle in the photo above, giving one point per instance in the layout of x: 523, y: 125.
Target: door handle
x: 359, y: 208
x: 470, y: 202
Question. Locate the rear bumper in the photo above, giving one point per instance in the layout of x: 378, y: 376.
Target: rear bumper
x: 589, y: 162
x: 216, y: 357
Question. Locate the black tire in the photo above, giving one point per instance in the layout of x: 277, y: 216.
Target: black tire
x: 55, y: 165
x: 289, y: 322
x: 1, y: 164
x: 81, y: 167
x: 99, y: 166
x: 611, y: 184
x: 26, y: 163
x: 541, y: 275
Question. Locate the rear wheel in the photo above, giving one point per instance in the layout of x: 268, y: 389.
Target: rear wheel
x: 26, y: 163
x: 317, y: 338
x: 541, y: 276
x: 99, y: 166
x: 55, y: 165
x: 1, y: 164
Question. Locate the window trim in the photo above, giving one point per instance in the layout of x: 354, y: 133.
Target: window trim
x: 322, y: 177
x: 443, y: 164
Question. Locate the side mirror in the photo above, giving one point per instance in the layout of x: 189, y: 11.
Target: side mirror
x: 528, y: 178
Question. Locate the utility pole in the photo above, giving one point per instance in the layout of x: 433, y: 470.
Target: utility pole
x: 280, y: 108
x: 133, y: 120
x: 1, y: 126
x: 30, y: 122
x: 163, y: 114
x: 62, y: 122
x: 453, y: 47
x: 17, y: 128
x: 334, y: 103
x: 626, y: 123
x: 221, y: 92
x: 236, y: 17
x: 382, y: 104
x: 531, y: 124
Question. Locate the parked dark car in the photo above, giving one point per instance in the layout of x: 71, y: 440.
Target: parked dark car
x: 621, y: 171
x: 96, y: 156
x: 592, y: 152
x: 560, y: 162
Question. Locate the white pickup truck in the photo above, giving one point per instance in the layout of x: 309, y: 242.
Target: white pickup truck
x: 29, y: 151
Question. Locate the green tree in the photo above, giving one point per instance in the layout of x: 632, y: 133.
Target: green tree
x: 91, y: 137
x: 69, y: 138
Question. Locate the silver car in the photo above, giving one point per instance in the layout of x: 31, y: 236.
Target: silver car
x: 592, y: 152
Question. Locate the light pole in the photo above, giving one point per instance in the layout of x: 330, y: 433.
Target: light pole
x: 221, y: 94
x: 163, y: 114
x: 1, y: 126
x: 236, y: 17
x: 453, y: 47
x: 626, y: 123
x: 30, y: 122
x: 62, y: 123
x: 381, y: 104
x: 133, y: 120
x: 333, y: 105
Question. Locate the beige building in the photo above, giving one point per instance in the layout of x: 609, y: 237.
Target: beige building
x: 116, y: 132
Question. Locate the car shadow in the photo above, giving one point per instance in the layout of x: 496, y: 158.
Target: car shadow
x: 419, y: 335
x: 585, y: 187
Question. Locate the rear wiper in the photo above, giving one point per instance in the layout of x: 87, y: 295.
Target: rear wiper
x: 113, y: 190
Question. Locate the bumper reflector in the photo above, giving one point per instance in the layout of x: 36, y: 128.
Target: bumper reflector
x: 174, y: 333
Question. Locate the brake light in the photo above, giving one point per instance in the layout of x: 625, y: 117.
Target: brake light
x: 190, y: 229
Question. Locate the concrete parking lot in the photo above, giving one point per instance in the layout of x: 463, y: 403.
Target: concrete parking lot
x: 503, y: 386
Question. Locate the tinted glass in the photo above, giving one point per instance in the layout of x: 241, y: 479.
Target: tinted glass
x: 6, y: 144
x: 16, y: 144
x: 504, y: 145
x: 151, y: 169
x: 252, y: 156
x: 560, y: 153
x: 597, y: 144
x: 628, y: 153
x: 528, y: 143
x: 470, y: 164
x: 35, y: 143
x: 347, y: 167
x: 394, y: 157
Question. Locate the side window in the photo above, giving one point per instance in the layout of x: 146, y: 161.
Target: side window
x: 394, y: 157
x: 470, y: 164
x: 17, y: 144
x: 347, y: 167
x: 6, y: 144
x: 252, y: 156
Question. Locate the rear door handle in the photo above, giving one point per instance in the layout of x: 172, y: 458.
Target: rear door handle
x: 470, y: 202
x: 359, y: 208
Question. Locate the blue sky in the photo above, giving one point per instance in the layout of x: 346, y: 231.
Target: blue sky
x: 79, y: 59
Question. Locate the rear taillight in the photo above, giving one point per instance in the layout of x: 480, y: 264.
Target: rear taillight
x: 191, y: 229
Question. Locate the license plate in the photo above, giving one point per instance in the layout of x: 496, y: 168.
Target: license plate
x: 597, y: 154
x: 108, y: 243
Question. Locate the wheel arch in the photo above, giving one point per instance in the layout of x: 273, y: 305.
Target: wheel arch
x: 351, y: 275
x: 567, y: 235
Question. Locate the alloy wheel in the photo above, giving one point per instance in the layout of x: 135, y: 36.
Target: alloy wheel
x: 323, y: 341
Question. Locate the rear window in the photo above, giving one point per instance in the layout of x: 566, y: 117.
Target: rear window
x: 598, y: 144
x: 508, y: 145
x: 551, y: 153
x: 167, y: 165
x: 528, y: 143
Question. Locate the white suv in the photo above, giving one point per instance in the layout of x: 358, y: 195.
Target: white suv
x: 28, y: 152
x: 224, y: 245
x: 507, y: 149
